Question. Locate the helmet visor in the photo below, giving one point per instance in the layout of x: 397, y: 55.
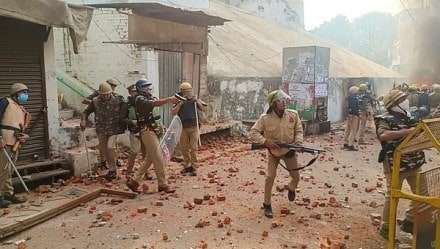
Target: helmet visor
x: 281, y: 96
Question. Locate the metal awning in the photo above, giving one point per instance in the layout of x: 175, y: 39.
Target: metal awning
x: 56, y: 13
x: 167, y: 13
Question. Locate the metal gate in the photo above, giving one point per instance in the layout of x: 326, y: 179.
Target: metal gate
x: 170, y: 76
x: 22, y: 60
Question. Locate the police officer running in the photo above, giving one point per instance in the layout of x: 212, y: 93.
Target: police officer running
x: 278, y: 125
x: 147, y: 117
x: 391, y: 129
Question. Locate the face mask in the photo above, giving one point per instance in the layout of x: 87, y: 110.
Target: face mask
x: 23, y: 97
x: 405, y: 105
x: 402, y: 108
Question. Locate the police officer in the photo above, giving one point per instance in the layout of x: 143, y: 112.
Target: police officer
x: 354, y: 110
x: 113, y: 82
x: 391, y: 129
x: 110, y: 112
x: 434, y: 98
x: 413, y: 96
x: 278, y: 125
x: 366, y: 110
x: 12, y: 114
x: 186, y: 110
x: 151, y: 130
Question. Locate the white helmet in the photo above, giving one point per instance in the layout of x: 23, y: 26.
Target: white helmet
x: 353, y: 90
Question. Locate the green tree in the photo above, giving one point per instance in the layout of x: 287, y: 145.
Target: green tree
x: 370, y: 35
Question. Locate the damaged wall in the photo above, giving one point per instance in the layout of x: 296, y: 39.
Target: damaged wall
x: 239, y: 98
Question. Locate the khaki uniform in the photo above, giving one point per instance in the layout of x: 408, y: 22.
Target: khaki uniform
x: 190, y: 133
x: 405, y: 174
x: 108, y: 124
x: 413, y: 98
x: 434, y: 101
x: 364, y: 116
x: 12, y: 117
x: 287, y: 129
x: 150, y: 139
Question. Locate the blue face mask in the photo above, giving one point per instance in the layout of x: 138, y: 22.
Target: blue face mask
x: 23, y: 97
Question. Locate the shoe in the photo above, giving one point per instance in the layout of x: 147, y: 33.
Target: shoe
x: 345, y: 146
x: 291, y: 195
x: 166, y: 189
x: 14, y: 199
x: 110, y: 175
x: 132, y: 185
x: 191, y: 170
x: 103, y: 165
x: 268, y: 210
x: 407, y: 226
x: 4, y: 203
x: 384, y: 232
x: 351, y: 148
x: 149, y: 177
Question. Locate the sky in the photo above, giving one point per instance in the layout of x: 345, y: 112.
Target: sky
x: 317, y: 12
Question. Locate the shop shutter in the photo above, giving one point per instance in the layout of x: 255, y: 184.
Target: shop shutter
x: 21, y: 60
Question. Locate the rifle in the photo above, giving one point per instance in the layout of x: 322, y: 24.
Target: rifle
x: 291, y: 149
x: 299, y: 148
x: 23, y: 127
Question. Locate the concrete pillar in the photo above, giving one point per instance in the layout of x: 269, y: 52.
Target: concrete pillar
x: 51, y: 95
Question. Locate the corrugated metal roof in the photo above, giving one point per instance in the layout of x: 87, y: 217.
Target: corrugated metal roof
x: 166, y: 13
x: 250, y: 46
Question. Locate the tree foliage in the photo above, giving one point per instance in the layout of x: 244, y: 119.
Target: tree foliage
x: 370, y: 35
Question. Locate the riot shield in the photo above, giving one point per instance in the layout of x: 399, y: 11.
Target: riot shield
x: 171, y: 138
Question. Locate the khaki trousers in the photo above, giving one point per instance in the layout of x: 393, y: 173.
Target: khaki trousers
x: 188, y: 145
x: 272, y: 165
x: 107, y: 145
x: 351, y: 129
x: 6, y: 171
x: 362, y: 126
x: 410, y: 177
x: 136, y: 146
x: 153, y: 156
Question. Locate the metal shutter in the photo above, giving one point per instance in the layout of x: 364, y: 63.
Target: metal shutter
x: 170, y: 75
x: 21, y: 60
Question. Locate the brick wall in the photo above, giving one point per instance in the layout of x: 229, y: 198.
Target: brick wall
x: 96, y: 60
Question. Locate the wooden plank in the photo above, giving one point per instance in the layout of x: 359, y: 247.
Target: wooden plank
x: 41, y: 175
x: 40, y: 164
x: 32, y: 220
x: 127, y: 194
x: 35, y: 219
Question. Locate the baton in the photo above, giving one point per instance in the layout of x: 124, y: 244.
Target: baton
x: 15, y: 169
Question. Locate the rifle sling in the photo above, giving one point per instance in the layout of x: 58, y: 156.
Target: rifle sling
x: 7, y: 127
x: 300, y: 168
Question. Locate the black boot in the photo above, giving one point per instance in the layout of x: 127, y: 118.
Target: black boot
x: 4, y: 203
x: 268, y: 210
x: 291, y: 195
x: 407, y: 226
x: 110, y: 175
x: 13, y: 199
x: 191, y: 170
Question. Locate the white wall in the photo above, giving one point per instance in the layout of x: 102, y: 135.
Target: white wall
x: 336, y: 100
x: 52, y: 95
x: 96, y: 60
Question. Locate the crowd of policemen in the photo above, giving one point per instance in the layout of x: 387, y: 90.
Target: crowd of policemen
x: 139, y: 114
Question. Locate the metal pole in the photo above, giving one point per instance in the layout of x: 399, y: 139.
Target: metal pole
x: 15, y: 169
x: 197, y: 121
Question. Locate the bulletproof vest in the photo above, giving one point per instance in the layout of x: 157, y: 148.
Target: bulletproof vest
x: 108, y: 118
x: 353, y: 105
x: 10, y: 124
x: 187, y: 114
x: 150, y: 117
x: 424, y: 98
x: 410, y: 161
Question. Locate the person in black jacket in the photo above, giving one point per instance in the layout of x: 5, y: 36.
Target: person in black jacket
x: 354, y: 109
